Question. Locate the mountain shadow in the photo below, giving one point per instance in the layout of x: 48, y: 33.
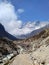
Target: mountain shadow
x: 4, y: 33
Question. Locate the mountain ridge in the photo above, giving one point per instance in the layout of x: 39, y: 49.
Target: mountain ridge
x: 4, y: 33
x: 33, y: 33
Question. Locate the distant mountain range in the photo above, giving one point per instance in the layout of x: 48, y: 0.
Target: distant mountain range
x: 4, y: 33
x: 35, y: 32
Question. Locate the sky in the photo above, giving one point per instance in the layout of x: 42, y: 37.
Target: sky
x: 24, y: 16
x: 33, y: 9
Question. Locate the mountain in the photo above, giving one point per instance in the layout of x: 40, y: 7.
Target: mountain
x: 4, y: 33
x: 31, y: 51
x: 35, y: 50
x: 33, y: 33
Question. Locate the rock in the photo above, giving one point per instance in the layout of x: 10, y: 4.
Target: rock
x: 36, y: 62
x: 47, y: 64
x: 6, y: 59
x: 42, y: 54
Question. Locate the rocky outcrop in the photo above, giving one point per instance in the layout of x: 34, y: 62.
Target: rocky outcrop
x: 7, y: 50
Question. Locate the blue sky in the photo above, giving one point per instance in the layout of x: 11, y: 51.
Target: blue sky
x: 24, y: 16
x: 33, y: 9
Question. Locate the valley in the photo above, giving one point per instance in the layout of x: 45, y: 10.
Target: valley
x: 31, y: 51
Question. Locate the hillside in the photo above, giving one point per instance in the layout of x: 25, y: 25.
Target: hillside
x: 7, y: 50
x: 31, y: 51
x: 4, y: 33
x: 35, y: 50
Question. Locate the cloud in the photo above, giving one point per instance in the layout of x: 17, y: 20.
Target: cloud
x: 31, y: 26
x: 9, y: 18
x: 20, y: 11
x: 7, y: 12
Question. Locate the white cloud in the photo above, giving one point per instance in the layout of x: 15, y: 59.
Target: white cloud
x: 9, y: 19
x: 31, y: 26
x: 20, y: 11
x: 7, y: 12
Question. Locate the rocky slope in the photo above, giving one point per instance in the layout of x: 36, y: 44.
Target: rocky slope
x: 35, y: 50
x: 7, y: 50
x: 31, y: 51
